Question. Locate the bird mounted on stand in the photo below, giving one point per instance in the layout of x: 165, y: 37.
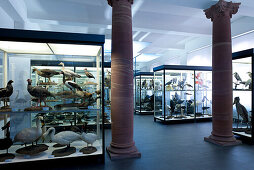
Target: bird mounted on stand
x: 242, y: 111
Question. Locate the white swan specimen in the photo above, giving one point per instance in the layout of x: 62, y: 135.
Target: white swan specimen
x: 30, y: 135
x: 89, y: 138
x: 63, y: 138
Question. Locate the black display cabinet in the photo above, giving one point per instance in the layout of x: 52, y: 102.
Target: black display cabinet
x: 182, y: 93
x: 56, y: 106
x: 242, y: 66
x: 144, y: 97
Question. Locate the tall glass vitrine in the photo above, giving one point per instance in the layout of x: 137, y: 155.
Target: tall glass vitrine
x: 182, y: 93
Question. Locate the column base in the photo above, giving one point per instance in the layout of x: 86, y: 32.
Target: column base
x: 119, y: 153
x: 221, y: 142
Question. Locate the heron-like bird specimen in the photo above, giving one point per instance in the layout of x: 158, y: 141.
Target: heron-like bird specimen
x: 241, y: 110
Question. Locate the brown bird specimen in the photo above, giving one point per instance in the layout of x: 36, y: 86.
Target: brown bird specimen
x: 98, y: 92
x: 47, y: 73
x: 6, y: 92
x: 88, y: 74
x: 38, y: 92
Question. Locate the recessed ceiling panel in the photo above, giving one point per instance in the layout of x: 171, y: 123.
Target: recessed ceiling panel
x: 70, y: 49
x: 25, y: 47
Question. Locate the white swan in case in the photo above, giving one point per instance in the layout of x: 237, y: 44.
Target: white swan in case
x: 63, y: 138
x: 30, y: 135
x: 89, y: 138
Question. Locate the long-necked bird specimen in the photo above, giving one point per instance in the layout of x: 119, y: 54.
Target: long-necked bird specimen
x: 241, y: 110
x: 6, y: 92
x: 62, y: 138
x: 88, y: 74
x: 69, y: 73
x: 71, y: 84
x: 39, y: 92
x: 6, y: 143
x: 47, y: 73
x: 237, y: 77
x: 30, y: 135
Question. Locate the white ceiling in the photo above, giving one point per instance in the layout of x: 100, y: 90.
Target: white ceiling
x: 166, y: 26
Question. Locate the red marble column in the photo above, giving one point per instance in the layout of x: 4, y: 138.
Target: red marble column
x: 122, y: 144
x: 222, y: 97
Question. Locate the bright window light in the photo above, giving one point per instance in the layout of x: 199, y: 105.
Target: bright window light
x: 70, y: 49
x: 24, y: 47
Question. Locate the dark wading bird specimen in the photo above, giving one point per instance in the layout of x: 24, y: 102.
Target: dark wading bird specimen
x: 6, y: 92
x: 39, y: 92
x: 47, y: 73
x: 242, y: 111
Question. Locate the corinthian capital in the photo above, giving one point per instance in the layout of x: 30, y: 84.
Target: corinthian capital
x: 110, y: 2
x: 222, y: 8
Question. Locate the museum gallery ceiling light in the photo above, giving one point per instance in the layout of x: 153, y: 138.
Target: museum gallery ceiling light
x: 24, y: 47
x: 68, y: 49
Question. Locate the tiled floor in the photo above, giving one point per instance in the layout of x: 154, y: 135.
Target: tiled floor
x: 177, y: 147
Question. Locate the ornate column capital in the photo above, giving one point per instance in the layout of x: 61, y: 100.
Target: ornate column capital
x: 222, y: 8
x: 110, y: 2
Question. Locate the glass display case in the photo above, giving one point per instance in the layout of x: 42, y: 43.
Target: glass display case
x: 144, y: 98
x: 53, y: 102
x: 182, y: 93
x: 243, y: 94
x: 107, y: 94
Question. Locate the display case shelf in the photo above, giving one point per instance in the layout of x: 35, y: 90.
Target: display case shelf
x: 182, y: 93
x: 242, y: 66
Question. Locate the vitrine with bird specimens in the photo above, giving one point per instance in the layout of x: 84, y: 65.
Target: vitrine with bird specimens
x: 144, y: 97
x: 52, y: 98
x: 242, y: 69
x: 107, y: 94
x: 182, y: 93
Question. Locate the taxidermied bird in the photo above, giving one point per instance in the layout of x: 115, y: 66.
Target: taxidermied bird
x: 7, y: 91
x: 89, y: 138
x: 241, y: 110
x: 69, y: 73
x: 250, y: 74
x: 237, y: 77
x: 6, y: 143
x: 71, y: 84
x: 188, y: 85
x: 83, y: 94
x: 38, y: 92
x: 62, y: 138
x: 88, y: 74
x: 30, y: 135
x: 98, y: 92
x: 46, y: 73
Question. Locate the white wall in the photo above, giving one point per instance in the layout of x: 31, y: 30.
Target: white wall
x: 204, y: 56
